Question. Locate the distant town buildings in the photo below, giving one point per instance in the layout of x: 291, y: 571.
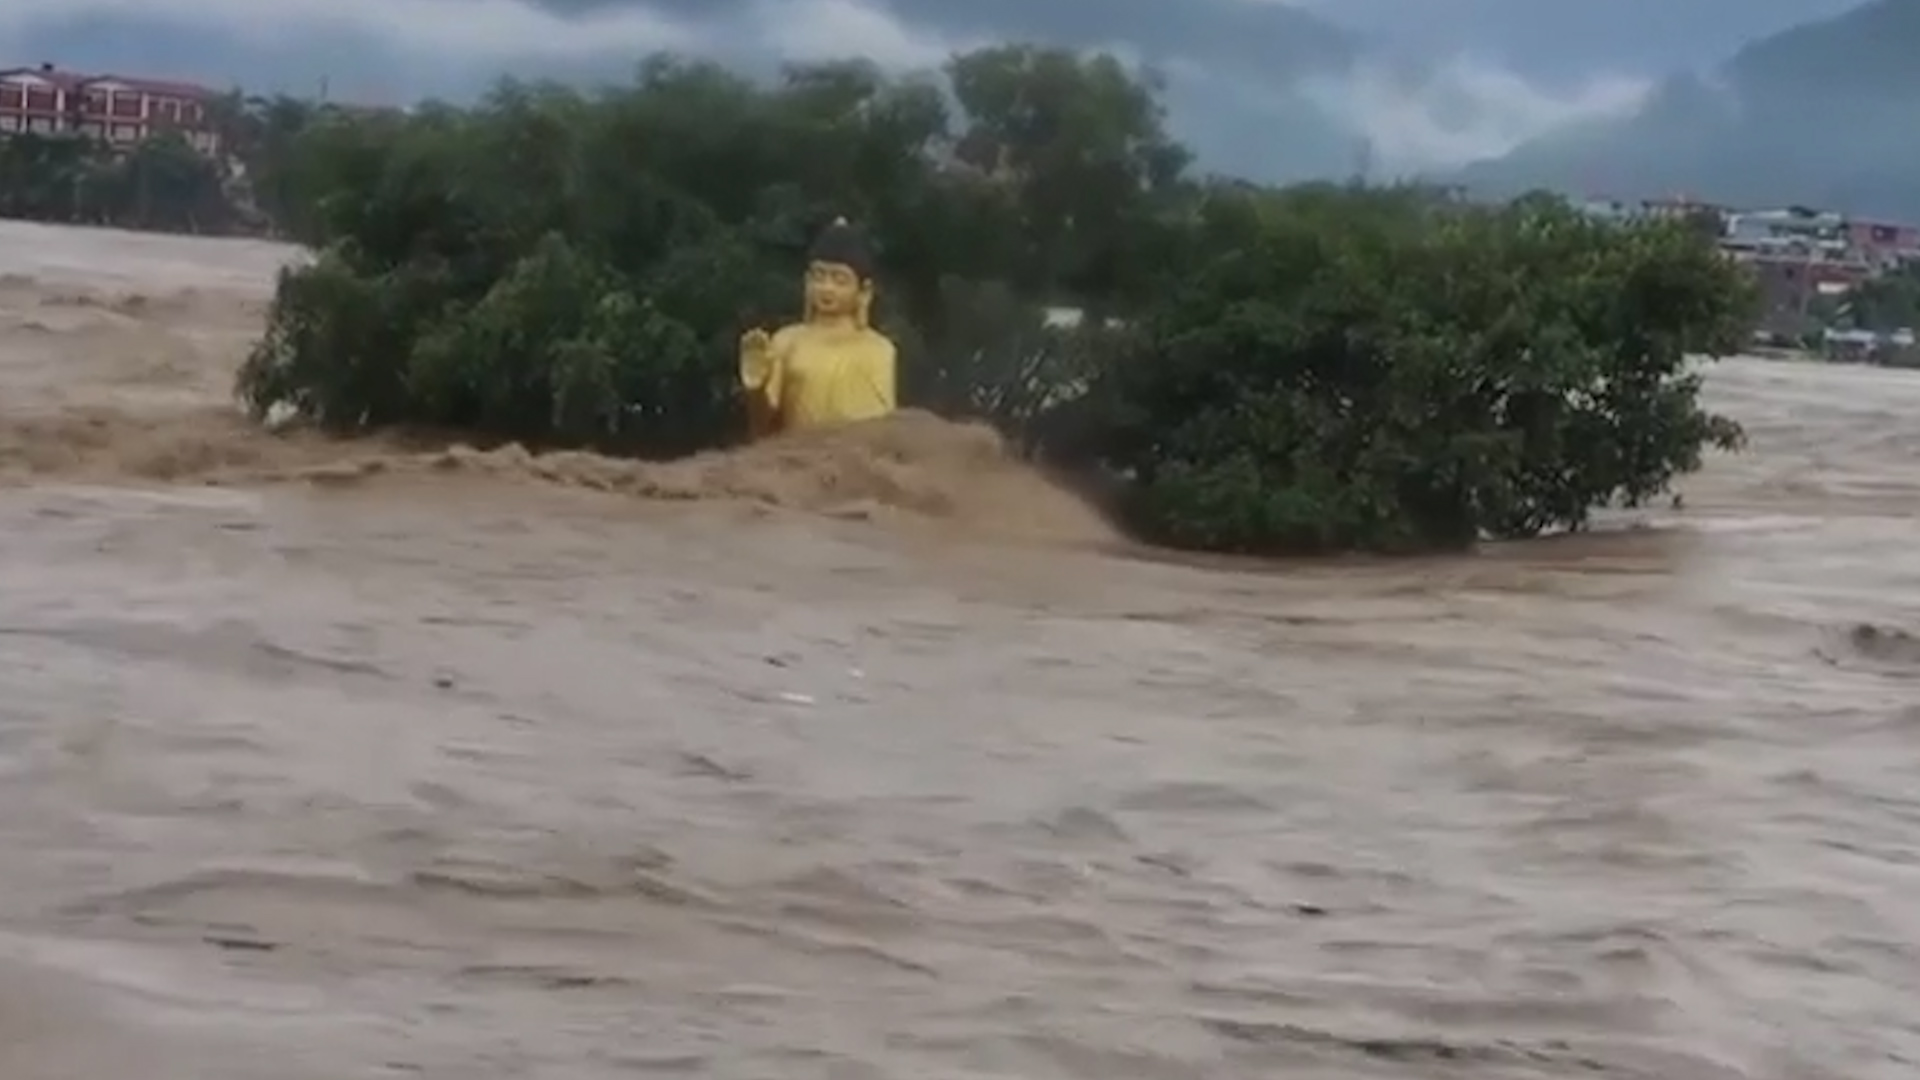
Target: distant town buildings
x: 118, y: 110
x: 1806, y: 260
x: 1884, y: 244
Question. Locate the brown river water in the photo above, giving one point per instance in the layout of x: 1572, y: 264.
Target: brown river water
x: 877, y: 758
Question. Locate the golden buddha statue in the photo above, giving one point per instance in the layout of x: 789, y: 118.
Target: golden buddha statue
x: 832, y: 367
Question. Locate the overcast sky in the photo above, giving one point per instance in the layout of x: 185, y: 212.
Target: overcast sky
x: 1551, y: 39
x: 1492, y: 72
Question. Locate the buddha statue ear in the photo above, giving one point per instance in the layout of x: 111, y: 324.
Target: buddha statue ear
x: 863, y: 312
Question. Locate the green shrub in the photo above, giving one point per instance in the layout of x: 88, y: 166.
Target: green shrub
x: 160, y: 183
x: 1308, y: 370
x: 576, y: 270
x: 1384, y: 371
x: 484, y: 271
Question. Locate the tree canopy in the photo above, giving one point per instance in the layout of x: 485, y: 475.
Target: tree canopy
x: 1888, y: 302
x: 254, y: 184
x: 1309, y: 369
x: 161, y: 184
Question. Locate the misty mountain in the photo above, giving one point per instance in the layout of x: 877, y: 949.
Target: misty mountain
x: 1234, y: 70
x: 1822, y: 114
x: 1271, y: 90
x: 1548, y: 41
x: 1237, y: 74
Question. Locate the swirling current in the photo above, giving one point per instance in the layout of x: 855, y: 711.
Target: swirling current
x: 876, y: 757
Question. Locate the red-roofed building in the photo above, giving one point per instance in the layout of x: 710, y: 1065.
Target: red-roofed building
x: 115, y: 109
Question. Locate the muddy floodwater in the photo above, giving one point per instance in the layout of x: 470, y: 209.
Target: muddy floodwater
x: 876, y: 759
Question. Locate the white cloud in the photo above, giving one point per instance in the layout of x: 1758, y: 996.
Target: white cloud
x: 1464, y: 110
x: 471, y: 28
x: 505, y: 30
x: 1453, y: 113
x: 835, y: 29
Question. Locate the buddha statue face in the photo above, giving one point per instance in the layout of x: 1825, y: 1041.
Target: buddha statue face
x: 839, y: 277
x: 836, y: 290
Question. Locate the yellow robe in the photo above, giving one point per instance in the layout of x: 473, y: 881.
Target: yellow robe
x: 821, y: 378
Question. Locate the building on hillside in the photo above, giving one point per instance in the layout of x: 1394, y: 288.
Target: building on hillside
x: 1711, y: 218
x: 1612, y: 211
x: 1792, y: 229
x: 1677, y: 207
x: 1885, y: 244
x: 118, y: 110
x: 1798, y: 288
x: 1806, y: 261
x: 1615, y: 211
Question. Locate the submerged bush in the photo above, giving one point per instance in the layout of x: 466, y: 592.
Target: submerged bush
x: 1377, y: 370
x: 1314, y: 369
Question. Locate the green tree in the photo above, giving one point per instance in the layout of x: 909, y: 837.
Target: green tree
x: 261, y: 141
x: 1379, y: 370
x: 1320, y: 368
x: 45, y: 177
x: 1081, y: 147
x: 1889, y: 302
x: 163, y: 183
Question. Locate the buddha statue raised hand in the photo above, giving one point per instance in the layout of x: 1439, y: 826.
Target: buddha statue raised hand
x: 832, y: 367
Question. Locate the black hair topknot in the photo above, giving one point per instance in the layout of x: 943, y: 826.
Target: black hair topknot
x: 846, y: 245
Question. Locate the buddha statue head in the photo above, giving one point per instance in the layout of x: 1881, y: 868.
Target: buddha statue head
x: 839, y: 279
